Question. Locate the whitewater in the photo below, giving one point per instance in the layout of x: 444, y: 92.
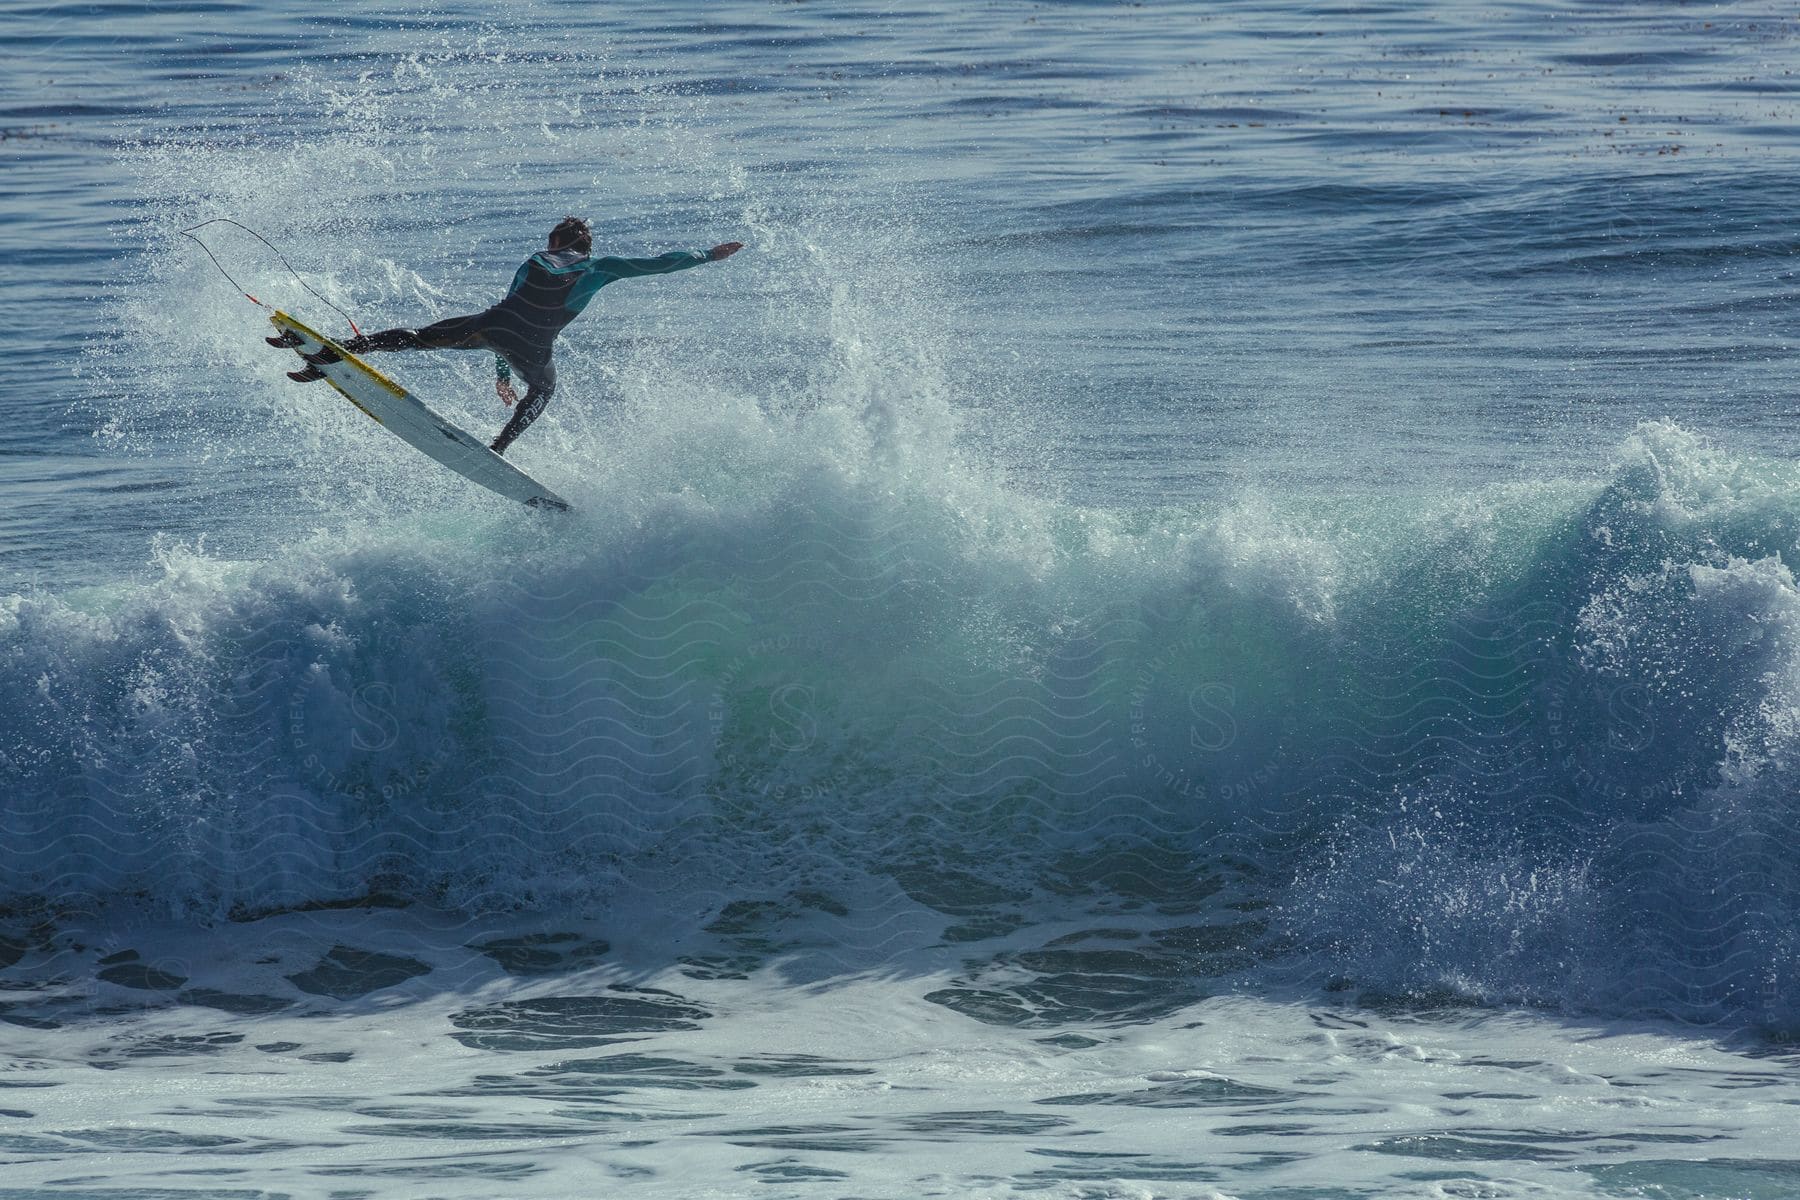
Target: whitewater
x: 1206, y: 611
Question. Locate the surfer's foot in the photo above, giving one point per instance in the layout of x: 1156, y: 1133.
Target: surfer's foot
x: 497, y: 446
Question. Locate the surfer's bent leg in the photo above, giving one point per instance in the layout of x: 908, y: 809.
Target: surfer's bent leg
x: 456, y: 333
x: 542, y: 381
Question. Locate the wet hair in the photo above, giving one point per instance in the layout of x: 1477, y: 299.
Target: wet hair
x: 572, y: 233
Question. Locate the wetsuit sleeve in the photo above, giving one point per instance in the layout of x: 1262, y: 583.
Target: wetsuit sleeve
x: 602, y: 271
x: 662, y: 264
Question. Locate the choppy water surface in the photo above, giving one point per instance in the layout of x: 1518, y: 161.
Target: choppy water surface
x: 1204, y: 613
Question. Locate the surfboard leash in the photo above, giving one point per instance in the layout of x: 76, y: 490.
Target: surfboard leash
x: 188, y: 233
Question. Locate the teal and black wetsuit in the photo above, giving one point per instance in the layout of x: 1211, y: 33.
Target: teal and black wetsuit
x: 548, y: 291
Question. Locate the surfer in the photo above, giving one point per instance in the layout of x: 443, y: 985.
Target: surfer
x: 548, y: 291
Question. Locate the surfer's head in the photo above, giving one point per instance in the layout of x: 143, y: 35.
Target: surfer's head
x: 572, y: 233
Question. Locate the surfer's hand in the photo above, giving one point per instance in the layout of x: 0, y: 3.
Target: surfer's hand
x: 723, y: 250
x: 504, y: 387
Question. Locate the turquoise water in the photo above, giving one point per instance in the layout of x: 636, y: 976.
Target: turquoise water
x: 1204, y: 611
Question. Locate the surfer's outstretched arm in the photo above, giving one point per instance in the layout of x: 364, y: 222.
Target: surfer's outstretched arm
x: 602, y: 271
x: 631, y: 268
x: 675, y: 260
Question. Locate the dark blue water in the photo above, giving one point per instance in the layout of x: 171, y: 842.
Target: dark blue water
x: 1252, y: 542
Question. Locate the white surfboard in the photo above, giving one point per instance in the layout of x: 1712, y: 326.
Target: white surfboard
x: 406, y: 417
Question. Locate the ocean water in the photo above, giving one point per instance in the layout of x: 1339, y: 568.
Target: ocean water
x: 1204, y: 612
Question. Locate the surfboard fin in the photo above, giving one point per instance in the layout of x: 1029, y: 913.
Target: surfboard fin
x: 306, y: 374
x: 287, y: 339
x: 321, y: 356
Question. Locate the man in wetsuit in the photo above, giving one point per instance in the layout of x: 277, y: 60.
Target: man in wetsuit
x: 548, y: 291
